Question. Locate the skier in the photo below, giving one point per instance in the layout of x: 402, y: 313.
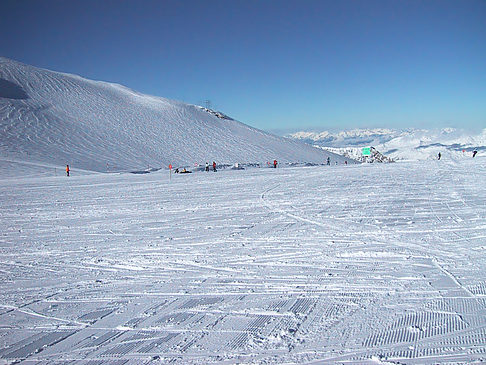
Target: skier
x: 67, y: 170
x: 214, y: 166
x: 474, y: 153
x: 207, y: 167
x: 275, y: 164
x: 329, y: 161
x: 439, y: 156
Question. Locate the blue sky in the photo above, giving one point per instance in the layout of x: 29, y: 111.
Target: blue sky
x: 272, y: 64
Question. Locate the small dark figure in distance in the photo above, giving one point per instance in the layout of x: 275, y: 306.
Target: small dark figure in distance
x: 214, y: 166
x: 207, y: 167
x: 345, y: 162
x: 67, y: 170
x: 176, y: 171
x: 329, y: 161
x: 275, y: 164
x: 474, y: 153
x: 439, y: 156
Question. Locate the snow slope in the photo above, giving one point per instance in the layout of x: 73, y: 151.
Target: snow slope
x: 362, y: 264
x: 411, y: 144
x: 51, y: 118
x: 426, y: 144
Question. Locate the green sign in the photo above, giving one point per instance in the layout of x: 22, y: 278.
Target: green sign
x: 367, y: 151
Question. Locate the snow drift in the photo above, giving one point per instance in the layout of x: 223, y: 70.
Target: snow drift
x: 52, y: 118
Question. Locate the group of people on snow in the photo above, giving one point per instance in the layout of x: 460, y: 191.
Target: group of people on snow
x: 328, y: 163
x: 207, y: 167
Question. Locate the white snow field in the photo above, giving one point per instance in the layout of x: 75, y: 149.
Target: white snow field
x: 344, y: 264
x: 52, y: 119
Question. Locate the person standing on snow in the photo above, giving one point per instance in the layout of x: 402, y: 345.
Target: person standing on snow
x: 207, y: 167
x: 67, y: 170
x: 439, y: 156
x: 474, y: 153
x: 274, y: 164
x: 329, y: 161
x: 214, y: 166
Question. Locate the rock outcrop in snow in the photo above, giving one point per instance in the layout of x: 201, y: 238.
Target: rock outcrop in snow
x: 356, y: 153
x: 52, y: 118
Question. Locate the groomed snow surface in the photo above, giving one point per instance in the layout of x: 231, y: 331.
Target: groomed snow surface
x: 343, y: 264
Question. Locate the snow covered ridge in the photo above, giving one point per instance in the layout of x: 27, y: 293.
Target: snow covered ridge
x: 348, y: 138
x: 52, y: 119
x: 411, y: 144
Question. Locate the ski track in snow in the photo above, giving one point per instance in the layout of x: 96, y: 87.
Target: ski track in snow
x: 355, y: 264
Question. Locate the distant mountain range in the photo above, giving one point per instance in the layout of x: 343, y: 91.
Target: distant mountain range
x: 52, y: 119
x: 411, y: 144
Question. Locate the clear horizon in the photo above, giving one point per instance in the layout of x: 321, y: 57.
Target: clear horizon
x: 285, y: 65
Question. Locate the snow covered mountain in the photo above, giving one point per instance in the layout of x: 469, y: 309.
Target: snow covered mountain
x: 52, y: 119
x: 411, y: 144
x: 350, y: 138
